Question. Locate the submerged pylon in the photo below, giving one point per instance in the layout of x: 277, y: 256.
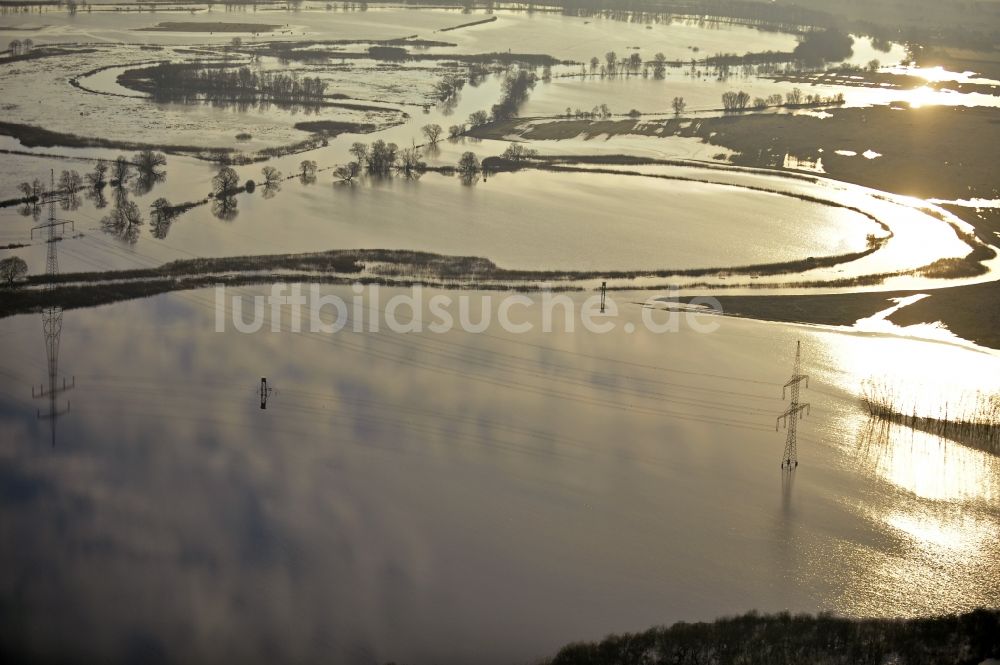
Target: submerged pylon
x: 52, y: 316
x: 790, y: 418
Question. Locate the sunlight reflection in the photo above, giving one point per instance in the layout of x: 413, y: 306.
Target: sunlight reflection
x: 929, y: 541
x: 924, y: 96
x: 929, y: 532
x: 939, y: 74
x: 923, y: 376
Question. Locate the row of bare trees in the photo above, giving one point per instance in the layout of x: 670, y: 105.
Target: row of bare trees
x: 146, y: 165
x: 739, y: 101
x: 627, y: 66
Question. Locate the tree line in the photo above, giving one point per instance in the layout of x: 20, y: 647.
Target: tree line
x: 517, y: 83
x: 784, y: 639
x: 735, y: 102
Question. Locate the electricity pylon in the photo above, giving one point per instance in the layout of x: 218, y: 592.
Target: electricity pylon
x: 52, y: 321
x: 790, y: 458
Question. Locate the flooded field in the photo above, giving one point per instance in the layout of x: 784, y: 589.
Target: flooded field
x: 385, y: 506
x: 195, y: 470
x: 522, y: 220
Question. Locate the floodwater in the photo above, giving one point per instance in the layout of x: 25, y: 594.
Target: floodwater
x: 564, y: 37
x: 526, y: 220
x: 531, y: 220
x: 703, y: 94
x: 458, y: 497
x: 466, y: 497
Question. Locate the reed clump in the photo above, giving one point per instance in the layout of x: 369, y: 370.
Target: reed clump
x: 974, y: 422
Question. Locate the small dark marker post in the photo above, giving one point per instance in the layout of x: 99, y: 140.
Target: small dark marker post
x: 604, y: 293
x: 263, y: 393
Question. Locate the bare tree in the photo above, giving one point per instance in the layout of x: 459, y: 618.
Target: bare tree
x: 346, y: 172
x: 478, y: 118
x: 272, y: 176
x: 659, y: 66
x: 432, y: 132
x: 12, y: 268
x: 96, y: 179
x: 360, y: 152
x: 161, y: 216
x: 148, y: 163
x: 611, y: 58
x: 123, y: 221
x: 468, y: 167
x: 679, y: 105
x: 161, y: 207
x: 409, y: 163
x: 382, y: 157
x: 225, y: 181
x: 307, y: 171
x: 448, y: 87
x: 32, y: 190
x: 130, y: 213
x: 735, y: 101
x: 516, y: 152
x: 70, y: 182
x: 121, y: 169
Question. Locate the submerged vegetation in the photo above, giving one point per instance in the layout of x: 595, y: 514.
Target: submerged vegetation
x: 976, y: 423
x: 516, y: 85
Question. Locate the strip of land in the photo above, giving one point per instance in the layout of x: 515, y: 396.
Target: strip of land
x: 469, y: 24
x: 218, y: 26
x: 971, y: 312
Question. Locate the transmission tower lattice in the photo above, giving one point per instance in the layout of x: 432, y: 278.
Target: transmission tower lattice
x: 790, y: 418
x: 52, y: 320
